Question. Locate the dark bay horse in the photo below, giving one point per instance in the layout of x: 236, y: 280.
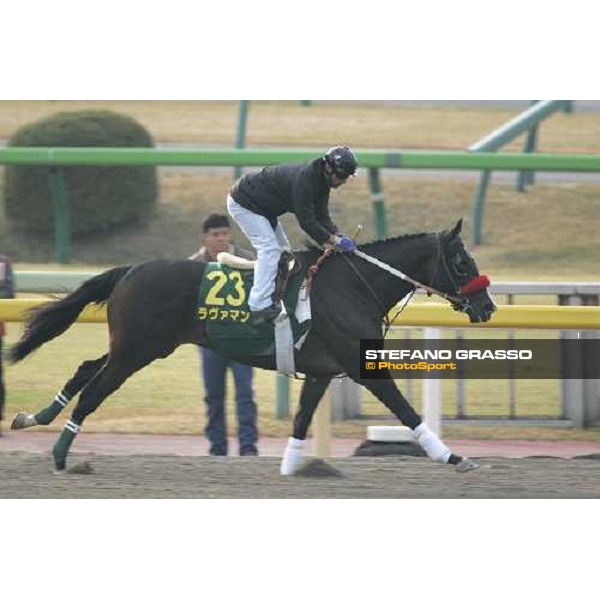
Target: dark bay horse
x: 152, y: 310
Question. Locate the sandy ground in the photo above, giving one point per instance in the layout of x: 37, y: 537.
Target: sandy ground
x: 178, y: 466
x: 25, y: 475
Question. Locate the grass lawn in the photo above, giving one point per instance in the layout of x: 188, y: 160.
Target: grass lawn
x: 363, y: 125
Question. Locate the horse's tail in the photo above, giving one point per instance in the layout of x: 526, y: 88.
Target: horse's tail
x: 49, y: 320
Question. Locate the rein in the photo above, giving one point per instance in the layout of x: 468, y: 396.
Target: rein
x: 417, y: 284
x: 386, y: 319
x: 458, y: 300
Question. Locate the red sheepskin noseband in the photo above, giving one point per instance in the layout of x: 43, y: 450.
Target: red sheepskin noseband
x: 475, y: 285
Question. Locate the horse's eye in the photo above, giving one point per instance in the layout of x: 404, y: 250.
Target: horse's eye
x: 460, y: 265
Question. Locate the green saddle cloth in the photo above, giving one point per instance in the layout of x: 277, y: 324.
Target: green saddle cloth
x: 223, y: 306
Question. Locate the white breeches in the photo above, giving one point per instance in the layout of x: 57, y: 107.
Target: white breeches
x: 268, y: 244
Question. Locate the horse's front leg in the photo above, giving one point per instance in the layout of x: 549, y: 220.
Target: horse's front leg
x: 313, y: 390
x: 388, y: 393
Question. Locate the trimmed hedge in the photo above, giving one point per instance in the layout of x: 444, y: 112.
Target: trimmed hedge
x: 99, y: 197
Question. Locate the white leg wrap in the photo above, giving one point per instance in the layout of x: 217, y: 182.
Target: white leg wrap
x: 72, y: 427
x: 292, y: 457
x: 431, y: 443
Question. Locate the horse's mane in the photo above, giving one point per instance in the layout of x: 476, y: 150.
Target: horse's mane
x: 407, y: 237
x: 308, y: 248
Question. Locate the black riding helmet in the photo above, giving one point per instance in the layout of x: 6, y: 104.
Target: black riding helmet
x: 341, y: 161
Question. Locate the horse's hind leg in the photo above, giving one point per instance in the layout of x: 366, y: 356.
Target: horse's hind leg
x: 110, y: 377
x: 84, y: 373
x: 313, y: 389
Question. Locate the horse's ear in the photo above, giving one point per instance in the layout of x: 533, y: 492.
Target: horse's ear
x: 456, y: 229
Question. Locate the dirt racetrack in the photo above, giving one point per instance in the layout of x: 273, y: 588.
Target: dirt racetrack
x: 24, y: 475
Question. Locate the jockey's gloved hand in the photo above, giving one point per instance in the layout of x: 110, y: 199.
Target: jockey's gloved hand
x: 344, y: 244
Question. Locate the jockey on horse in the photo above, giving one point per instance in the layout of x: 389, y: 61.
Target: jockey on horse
x: 257, y: 199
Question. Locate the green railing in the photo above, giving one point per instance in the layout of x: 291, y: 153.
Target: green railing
x: 373, y: 160
x: 240, y: 140
x: 527, y: 122
x: 378, y: 159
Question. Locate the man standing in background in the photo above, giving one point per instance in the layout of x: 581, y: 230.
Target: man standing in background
x: 217, y: 238
x: 6, y: 291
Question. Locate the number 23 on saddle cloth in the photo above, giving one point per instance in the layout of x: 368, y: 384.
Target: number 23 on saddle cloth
x: 223, y: 306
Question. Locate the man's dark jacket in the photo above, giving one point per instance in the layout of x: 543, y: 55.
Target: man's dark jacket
x: 299, y: 189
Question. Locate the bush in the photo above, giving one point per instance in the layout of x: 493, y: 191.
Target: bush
x: 99, y: 197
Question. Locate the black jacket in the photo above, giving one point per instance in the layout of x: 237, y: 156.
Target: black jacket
x: 299, y: 189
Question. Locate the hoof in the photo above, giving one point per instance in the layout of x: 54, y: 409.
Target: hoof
x: 289, y: 468
x: 60, y: 465
x: 22, y: 421
x: 467, y: 465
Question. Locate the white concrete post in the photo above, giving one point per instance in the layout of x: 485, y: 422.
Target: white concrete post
x: 432, y: 392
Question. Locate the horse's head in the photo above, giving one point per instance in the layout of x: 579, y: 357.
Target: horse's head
x: 457, y: 275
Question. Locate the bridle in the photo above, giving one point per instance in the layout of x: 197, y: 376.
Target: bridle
x: 459, y: 300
